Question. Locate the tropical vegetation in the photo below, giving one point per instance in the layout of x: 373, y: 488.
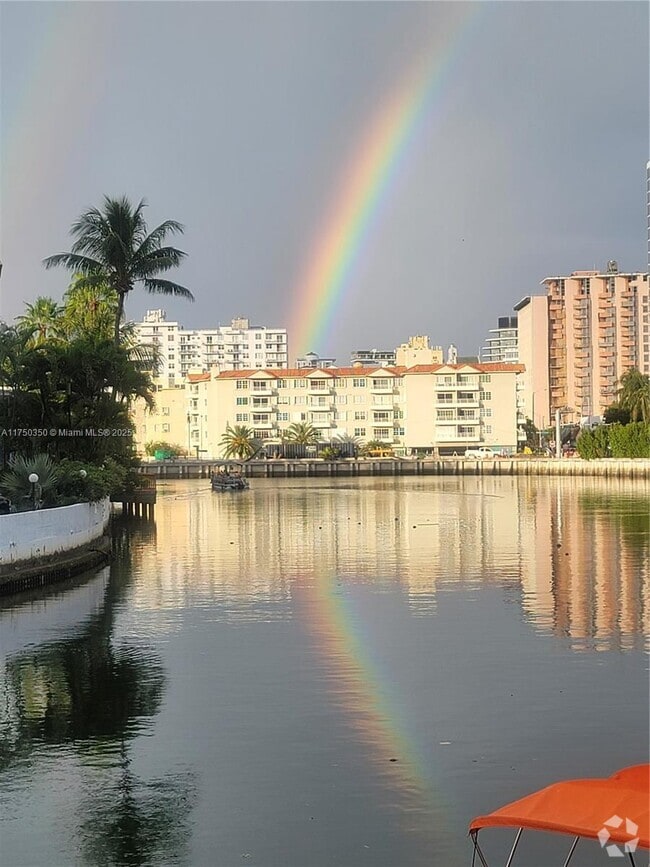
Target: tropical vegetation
x: 239, y: 442
x: 634, y: 395
x: 113, y: 248
x: 302, y: 433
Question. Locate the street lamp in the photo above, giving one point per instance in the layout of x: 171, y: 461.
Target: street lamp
x: 558, y: 438
x: 33, y: 480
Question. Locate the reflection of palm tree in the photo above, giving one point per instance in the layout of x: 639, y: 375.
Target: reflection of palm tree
x: 134, y: 822
x: 88, y: 692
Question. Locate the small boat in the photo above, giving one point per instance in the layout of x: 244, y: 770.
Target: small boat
x: 613, y: 811
x: 229, y: 477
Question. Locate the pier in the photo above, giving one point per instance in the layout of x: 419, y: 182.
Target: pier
x: 141, y: 501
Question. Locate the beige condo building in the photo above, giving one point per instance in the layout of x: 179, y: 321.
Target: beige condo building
x: 431, y: 408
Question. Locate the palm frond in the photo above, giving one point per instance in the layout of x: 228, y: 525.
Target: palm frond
x: 158, y: 261
x: 158, y: 235
x: 73, y: 262
x: 167, y: 287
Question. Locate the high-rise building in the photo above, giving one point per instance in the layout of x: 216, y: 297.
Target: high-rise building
x: 597, y: 327
x: 501, y: 344
x: 235, y: 347
x: 532, y: 347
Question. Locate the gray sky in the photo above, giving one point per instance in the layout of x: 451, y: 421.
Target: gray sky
x: 241, y: 119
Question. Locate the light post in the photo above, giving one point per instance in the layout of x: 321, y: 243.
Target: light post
x: 558, y: 438
x: 33, y: 480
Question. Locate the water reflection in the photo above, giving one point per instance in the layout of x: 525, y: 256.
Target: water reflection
x: 81, y: 690
x: 576, y: 550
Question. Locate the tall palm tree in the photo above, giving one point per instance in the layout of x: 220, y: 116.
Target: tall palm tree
x: 238, y: 442
x: 634, y: 394
x: 41, y: 320
x: 113, y: 248
x: 302, y: 432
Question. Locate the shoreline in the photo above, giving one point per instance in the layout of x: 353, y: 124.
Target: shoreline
x: 631, y: 468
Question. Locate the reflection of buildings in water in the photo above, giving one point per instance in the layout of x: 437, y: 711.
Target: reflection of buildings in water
x: 563, y: 541
x: 583, y: 574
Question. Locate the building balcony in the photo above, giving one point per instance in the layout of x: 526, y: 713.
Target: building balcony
x: 451, y: 435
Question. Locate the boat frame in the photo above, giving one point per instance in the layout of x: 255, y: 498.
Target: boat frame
x: 229, y: 477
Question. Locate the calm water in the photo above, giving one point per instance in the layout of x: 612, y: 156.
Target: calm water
x: 327, y: 674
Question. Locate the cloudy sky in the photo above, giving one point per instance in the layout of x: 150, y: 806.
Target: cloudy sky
x: 247, y: 121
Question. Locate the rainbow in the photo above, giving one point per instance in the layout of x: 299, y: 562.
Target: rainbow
x: 363, y: 193
x: 367, y: 702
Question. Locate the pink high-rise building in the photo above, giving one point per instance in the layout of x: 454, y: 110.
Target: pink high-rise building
x: 579, y: 339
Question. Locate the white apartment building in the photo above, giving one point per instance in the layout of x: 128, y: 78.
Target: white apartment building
x: 235, y: 347
x: 502, y: 341
x: 438, y: 408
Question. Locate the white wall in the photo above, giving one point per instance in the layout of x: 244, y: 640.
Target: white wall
x: 26, y: 535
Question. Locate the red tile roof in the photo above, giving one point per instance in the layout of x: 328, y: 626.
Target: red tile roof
x: 296, y: 373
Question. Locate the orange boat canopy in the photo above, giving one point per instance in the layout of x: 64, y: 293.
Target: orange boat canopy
x: 583, y: 808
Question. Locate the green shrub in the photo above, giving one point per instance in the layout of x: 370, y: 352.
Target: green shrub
x: 330, y: 453
x: 592, y: 444
x: 630, y: 440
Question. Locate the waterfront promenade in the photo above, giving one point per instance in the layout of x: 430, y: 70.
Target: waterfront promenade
x: 620, y: 468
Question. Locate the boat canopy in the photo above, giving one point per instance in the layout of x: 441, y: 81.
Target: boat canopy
x: 619, y: 803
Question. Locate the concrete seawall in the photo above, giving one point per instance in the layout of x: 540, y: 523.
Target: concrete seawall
x: 637, y: 468
x: 47, y: 544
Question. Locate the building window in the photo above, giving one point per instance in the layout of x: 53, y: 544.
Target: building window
x: 359, y: 431
x: 486, y: 412
x: 242, y: 383
x: 341, y: 398
x: 283, y: 416
x: 359, y: 415
x: 488, y: 428
x: 280, y: 383
x: 485, y: 377
x: 446, y: 414
x: 358, y: 383
x: 381, y: 416
x: 445, y: 397
x: 465, y: 430
x: 165, y: 410
x: 398, y: 431
x: 165, y: 428
x: 486, y: 395
x: 242, y: 401
x: 383, y: 433
x: 241, y: 416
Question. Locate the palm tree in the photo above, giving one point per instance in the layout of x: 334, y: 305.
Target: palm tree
x: 302, y: 432
x: 41, y: 320
x: 634, y: 394
x: 89, y: 309
x: 113, y: 248
x: 238, y: 442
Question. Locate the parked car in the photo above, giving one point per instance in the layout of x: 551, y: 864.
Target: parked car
x: 481, y: 452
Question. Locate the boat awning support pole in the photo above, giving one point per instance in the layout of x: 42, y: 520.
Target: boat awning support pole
x: 514, y: 847
x: 631, y: 857
x: 477, y: 849
x: 571, y: 851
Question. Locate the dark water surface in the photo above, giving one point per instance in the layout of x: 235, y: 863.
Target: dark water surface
x: 320, y: 673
